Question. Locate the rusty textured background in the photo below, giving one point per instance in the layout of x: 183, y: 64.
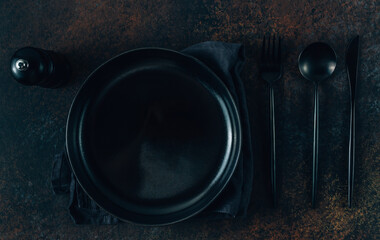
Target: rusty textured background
x: 32, y: 119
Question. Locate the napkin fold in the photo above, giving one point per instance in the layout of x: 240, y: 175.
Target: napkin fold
x: 226, y: 60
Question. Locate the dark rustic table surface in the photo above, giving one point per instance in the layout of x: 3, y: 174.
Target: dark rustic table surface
x: 32, y: 119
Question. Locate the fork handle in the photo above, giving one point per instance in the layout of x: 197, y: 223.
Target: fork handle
x: 315, y: 145
x: 273, y: 146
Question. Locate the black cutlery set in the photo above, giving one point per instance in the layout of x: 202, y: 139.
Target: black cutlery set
x: 316, y: 63
x: 154, y: 136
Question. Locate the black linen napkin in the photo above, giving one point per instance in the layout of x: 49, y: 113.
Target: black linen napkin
x: 226, y: 60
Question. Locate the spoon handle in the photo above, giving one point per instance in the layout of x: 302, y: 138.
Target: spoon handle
x: 273, y: 147
x: 351, y: 155
x: 315, y: 145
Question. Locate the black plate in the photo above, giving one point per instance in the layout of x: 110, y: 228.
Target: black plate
x: 153, y: 136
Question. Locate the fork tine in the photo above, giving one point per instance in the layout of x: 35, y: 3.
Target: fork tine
x: 279, y: 49
x: 268, y: 49
x: 263, y: 49
x: 274, y: 48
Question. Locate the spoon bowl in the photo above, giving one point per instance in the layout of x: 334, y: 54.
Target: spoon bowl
x: 317, y: 61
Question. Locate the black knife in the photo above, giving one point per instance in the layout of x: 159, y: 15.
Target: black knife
x: 352, y: 63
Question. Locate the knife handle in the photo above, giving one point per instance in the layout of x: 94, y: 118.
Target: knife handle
x: 351, y: 155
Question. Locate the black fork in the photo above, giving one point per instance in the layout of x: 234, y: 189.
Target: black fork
x: 271, y: 71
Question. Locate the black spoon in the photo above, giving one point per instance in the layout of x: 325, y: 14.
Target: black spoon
x: 316, y: 63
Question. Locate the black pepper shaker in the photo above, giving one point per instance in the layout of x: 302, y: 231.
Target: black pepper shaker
x: 33, y: 66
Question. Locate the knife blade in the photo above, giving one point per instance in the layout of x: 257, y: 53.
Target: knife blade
x: 352, y: 65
